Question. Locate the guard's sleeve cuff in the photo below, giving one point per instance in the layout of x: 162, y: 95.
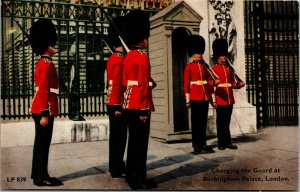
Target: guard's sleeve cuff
x: 187, y: 98
x: 213, y: 98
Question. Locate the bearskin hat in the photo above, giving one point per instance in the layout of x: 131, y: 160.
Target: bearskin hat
x: 113, y: 35
x: 196, y: 45
x: 42, y: 35
x: 220, y: 48
x: 137, y: 27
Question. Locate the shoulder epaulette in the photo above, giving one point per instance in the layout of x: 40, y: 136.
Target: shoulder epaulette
x: 47, y: 59
x: 120, y: 54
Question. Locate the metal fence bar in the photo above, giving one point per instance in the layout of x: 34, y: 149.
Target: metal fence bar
x: 276, y: 79
x: 250, y: 68
x: 289, y: 110
x: 2, y: 71
x: 295, y: 43
x: 284, y: 28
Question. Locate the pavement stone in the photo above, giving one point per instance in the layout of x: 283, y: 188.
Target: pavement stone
x: 84, y: 165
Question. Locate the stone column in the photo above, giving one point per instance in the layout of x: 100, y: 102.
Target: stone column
x: 226, y: 20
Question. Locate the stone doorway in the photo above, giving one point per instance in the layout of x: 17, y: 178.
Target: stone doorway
x: 180, y: 59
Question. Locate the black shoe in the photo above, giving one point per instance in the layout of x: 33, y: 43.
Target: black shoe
x: 230, y: 146
x: 42, y: 183
x: 56, y: 181
x: 118, y: 175
x: 221, y: 148
x: 197, y: 150
x: 48, y: 182
x: 204, y: 149
x: 149, y: 184
x: 207, y: 149
x: 133, y: 186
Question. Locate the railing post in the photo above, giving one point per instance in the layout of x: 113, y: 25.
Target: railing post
x: 74, y: 104
x: 259, y: 52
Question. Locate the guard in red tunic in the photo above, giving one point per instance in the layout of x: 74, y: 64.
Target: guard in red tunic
x: 198, y: 89
x: 45, y: 103
x: 224, y: 93
x: 137, y: 98
x: 117, y: 121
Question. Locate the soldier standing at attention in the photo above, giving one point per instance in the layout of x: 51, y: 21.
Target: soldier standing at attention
x: 198, y: 89
x: 44, y: 107
x: 224, y: 93
x: 137, y: 98
x: 117, y: 121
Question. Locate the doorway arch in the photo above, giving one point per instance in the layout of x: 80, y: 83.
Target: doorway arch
x: 180, y: 59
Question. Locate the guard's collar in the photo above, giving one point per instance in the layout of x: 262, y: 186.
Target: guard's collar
x: 119, y: 53
x: 200, y: 61
x: 136, y: 47
x: 139, y: 48
x: 46, y: 57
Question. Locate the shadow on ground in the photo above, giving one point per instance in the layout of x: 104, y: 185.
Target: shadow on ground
x: 184, y: 170
x: 90, y: 171
x: 188, y: 169
x: 248, y: 138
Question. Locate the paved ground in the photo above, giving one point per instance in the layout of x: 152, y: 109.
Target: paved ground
x: 267, y: 160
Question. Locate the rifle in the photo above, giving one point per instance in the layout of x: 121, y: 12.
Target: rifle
x: 95, y: 27
x: 115, y: 26
x: 212, y: 74
x: 22, y: 29
x: 236, y: 77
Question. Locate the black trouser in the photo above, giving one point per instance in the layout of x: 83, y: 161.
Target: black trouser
x: 223, y: 121
x: 42, y: 141
x: 137, y: 148
x: 117, y: 142
x: 199, y: 112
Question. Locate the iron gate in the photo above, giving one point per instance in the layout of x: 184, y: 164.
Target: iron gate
x: 272, y: 38
x: 81, y: 58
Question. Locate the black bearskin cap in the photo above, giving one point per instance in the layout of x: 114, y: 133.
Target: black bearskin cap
x: 220, y: 48
x: 137, y: 27
x: 42, y: 35
x: 196, y: 45
x: 113, y: 36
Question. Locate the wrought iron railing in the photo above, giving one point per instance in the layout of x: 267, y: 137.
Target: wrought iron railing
x: 81, y: 58
x: 272, y: 57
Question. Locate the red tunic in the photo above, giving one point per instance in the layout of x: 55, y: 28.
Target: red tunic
x: 223, y: 92
x: 114, y: 80
x: 136, y: 77
x: 45, y: 101
x: 197, y: 83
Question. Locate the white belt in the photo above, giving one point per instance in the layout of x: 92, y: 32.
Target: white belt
x: 224, y: 85
x: 199, y: 82
x: 132, y: 82
x: 52, y: 90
